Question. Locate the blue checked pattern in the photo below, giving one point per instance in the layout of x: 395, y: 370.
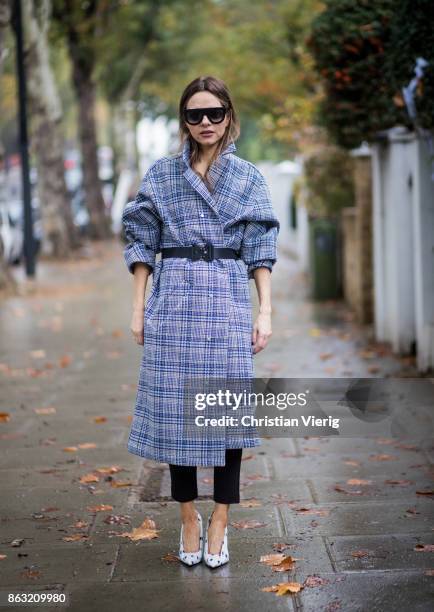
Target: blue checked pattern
x: 198, y: 317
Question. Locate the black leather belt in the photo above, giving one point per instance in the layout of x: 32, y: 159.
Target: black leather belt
x: 195, y: 252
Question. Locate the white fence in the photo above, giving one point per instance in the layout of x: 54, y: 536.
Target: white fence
x: 403, y: 243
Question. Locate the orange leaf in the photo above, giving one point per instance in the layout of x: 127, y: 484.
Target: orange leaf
x: 47, y: 410
x: 64, y: 361
x: 100, y: 508
x: 89, y: 478
x: 146, y: 531
x: 75, y: 537
x: 250, y: 503
x: 424, y: 547
x: 70, y: 449
x: 87, y: 445
x: 358, y: 481
x: 382, y: 457
x: 121, y: 483
x: 250, y: 524
x: 4, y: 417
x: 99, y: 419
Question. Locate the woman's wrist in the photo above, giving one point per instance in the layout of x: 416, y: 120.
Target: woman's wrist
x: 265, y: 310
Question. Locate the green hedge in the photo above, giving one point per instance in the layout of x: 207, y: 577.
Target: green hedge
x: 365, y: 51
x: 328, y: 177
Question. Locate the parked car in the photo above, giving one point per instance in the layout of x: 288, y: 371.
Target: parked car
x: 11, y: 236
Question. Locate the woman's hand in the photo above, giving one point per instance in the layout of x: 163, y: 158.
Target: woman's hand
x: 261, y: 331
x: 137, y: 324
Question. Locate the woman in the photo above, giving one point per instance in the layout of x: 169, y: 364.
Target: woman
x: 209, y: 214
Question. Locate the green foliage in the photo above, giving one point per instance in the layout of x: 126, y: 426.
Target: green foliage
x: 349, y: 41
x: 328, y: 177
x: 412, y: 36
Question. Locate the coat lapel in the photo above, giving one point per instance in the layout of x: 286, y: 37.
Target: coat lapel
x: 215, y: 172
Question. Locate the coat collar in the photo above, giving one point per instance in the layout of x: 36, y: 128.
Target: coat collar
x: 186, y: 151
x: 215, y: 172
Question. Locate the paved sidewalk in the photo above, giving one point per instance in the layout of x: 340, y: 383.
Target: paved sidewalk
x: 68, y: 371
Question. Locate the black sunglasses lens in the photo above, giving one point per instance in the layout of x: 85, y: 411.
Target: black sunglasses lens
x: 216, y: 115
x: 195, y: 115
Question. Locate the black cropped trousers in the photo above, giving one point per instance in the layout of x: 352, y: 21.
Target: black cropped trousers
x: 226, y: 480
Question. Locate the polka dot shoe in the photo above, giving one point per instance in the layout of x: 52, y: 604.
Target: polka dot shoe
x: 217, y: 559
x: 191, y: 558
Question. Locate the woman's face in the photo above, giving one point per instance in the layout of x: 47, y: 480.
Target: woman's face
x: 206, y: 133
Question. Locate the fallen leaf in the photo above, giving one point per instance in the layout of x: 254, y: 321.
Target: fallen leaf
x: 281, y: 588
x: 4, y: 417
x: 250, y: 503
x: 313, y: 581
x: 424, y: 547
x: 100, y: 508
x: 81, y: 525
x: 89, y: 478
x: 170, y: 557
x: 360, y: 553
x: 315, y: 332
x: 358, y: 481
x: 317, y: 511
x: 64, y: 361
x: 272, y: 559
x: 426, y: 492
x: 121, y: 483
x: 401, y: 483
x: 382, y: 457
x: 146, y: 531
x: 249, y: 524
x: 281, y: 546
x: 47, y: 410
x: 343, y: 490
x: 33, y: 574
x: 70, y: 449
x: 279, y: 562
x: 99, y: 419
x: 87, y: 445
x: 75, y: 537
x: 113, y: 469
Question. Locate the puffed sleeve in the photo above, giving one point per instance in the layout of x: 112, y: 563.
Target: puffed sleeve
x: 142, y: 225
x: 259, y: 243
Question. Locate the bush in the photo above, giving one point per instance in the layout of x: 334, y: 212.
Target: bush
x: 366, y: 52
x: 328, y: 177
x: 412, y: 36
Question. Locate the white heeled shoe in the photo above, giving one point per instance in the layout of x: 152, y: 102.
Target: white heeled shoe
x: 191, y: 558
x: 216, y: 559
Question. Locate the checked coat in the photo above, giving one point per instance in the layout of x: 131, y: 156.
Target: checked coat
x: 198, y: 316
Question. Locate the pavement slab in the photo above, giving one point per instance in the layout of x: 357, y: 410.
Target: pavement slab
x: 356, y: 513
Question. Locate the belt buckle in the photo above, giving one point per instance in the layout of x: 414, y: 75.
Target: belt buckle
x: 205, y: 252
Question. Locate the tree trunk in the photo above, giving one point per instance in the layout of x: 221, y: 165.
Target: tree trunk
x: 7, y: 281
x: 85, y: 89
x: 60, y: 234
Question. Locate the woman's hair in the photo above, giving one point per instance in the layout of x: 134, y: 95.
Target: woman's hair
x: 218, y: 88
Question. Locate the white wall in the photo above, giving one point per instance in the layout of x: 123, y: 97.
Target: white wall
x: 280, y: 179
x: 403, y: 241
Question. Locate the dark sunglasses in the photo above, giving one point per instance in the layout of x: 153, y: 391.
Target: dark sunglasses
x: 194, y: 116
